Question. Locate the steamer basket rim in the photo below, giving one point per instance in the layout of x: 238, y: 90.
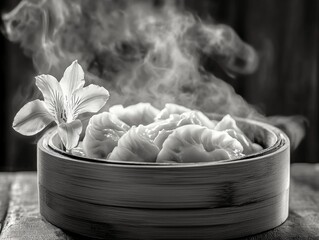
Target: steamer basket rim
x: 281, y: 144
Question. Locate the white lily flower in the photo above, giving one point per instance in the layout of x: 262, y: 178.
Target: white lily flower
x: 63, y: 102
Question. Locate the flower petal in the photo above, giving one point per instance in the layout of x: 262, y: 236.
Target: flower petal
x: 53, y: 95
x: 73, y: 79
x: 70, y: 133
x: 89, y: 99
x: 32, y: 118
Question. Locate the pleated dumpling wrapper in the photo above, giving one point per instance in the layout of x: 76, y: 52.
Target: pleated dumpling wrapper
x: 102, y: 134
x: 193, y: 143
x: 229, y: 125
x: 160, y: 129
x: 135, y: 146
x: 134, y: 115
x: 171, y: 108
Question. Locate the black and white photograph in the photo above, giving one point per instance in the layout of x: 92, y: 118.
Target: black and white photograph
x: 159, y: 119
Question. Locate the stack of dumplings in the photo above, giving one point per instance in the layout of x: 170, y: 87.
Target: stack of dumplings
x: 175, y: 134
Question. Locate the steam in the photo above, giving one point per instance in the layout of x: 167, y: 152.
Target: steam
x: 139, y: 51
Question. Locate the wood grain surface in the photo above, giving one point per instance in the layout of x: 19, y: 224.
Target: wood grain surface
x: 23, y: 220
x: 5, y: 183
x: 20, y: 218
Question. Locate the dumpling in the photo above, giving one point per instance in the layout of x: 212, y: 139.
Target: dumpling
x: 193, y: 143
x: 102, y: 134
x: 199, y: 118
x: 161, y: 137
x: 249, y: 146
x: 171, y: 108
x: 135, y: 146
x: 158, y: 131
x: 153, y: 129
x: 174, y: 121
x: 229, y: 124
x: 141, y: 113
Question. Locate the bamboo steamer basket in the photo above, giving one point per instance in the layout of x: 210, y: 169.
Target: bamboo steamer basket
x: 121, y: 200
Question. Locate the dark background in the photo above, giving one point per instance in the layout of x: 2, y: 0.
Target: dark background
x: 285, y: 34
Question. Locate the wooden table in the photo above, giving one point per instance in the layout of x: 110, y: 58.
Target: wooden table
x: 20, y: 218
